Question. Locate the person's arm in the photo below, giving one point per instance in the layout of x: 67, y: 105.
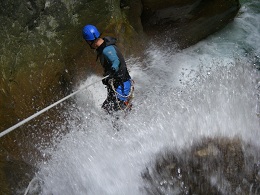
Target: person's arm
x: 110, y: 54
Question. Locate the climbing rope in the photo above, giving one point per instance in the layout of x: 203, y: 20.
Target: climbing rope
x: 129, y: 97
x: 47, y: 108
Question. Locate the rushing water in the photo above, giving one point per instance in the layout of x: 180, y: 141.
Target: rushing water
x: 209, y: 89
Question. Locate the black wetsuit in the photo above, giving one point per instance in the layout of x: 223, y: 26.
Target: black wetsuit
x: 114, y: 65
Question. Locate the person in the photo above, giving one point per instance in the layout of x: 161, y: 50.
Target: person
x: 116, y: 76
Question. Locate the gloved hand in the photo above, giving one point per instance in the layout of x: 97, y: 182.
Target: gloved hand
x: 106, y: 81
x: 110, y: 75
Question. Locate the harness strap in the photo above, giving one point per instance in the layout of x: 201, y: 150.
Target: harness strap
x: 111, y: 82
x: 129, y: 97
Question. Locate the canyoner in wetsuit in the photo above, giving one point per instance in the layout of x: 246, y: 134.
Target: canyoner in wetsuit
x: 118, y: 81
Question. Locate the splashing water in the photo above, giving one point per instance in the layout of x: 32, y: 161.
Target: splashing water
x: 210, y: 89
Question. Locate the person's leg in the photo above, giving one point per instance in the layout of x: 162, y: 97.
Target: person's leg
x: 109, y: 104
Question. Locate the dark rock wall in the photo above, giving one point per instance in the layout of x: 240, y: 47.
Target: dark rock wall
x: 187, y: 22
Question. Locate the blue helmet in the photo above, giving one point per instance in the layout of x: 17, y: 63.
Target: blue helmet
x: 90, y: 33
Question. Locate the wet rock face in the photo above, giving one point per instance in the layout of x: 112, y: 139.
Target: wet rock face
x: 187, y: 22
x: 32, y: 64
x: 26, y: 12
x: 214, y: 166
x: 15, y: 176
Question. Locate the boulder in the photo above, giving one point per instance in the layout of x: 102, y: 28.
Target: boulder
x: 210, y: 166
x: 185, y: 22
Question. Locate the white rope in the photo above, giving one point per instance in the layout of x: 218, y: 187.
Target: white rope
x: 127, y: 96
x: 28, y: 187
x: 45, y: 109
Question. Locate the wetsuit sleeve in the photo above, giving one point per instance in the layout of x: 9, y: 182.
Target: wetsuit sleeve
x: 110, y: 54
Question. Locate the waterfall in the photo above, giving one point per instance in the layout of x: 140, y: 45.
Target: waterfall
x: 209, y: 89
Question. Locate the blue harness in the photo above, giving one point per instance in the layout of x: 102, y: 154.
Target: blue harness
x: 124, y: 90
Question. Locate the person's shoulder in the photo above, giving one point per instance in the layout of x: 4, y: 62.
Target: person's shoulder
x: 110, y: 40
x: 109, y: 49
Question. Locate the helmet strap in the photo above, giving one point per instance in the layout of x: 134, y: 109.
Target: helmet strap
x: 90, y: 43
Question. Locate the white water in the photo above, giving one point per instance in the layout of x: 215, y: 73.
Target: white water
x: 206, y: 90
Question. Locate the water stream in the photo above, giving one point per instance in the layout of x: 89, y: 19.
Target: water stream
x: 209, y: 89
